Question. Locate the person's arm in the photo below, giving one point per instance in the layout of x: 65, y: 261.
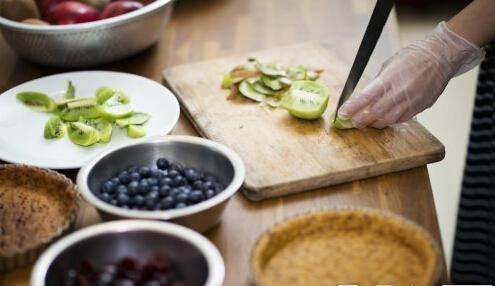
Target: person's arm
x: 412, y: 79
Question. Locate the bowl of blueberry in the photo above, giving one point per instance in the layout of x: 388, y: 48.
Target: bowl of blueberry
x: 130, y: 253
x: 184, y: 179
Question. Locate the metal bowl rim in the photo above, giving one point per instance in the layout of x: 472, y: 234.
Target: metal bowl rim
x: 216, y: 267
x: 233, y: 187
x: 99, y: 24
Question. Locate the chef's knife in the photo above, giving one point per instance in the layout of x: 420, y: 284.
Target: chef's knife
x: 373, y: 31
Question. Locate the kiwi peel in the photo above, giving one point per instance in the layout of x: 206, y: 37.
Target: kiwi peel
x: 87, y: 120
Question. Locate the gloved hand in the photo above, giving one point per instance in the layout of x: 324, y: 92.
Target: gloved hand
x: 412, y: 80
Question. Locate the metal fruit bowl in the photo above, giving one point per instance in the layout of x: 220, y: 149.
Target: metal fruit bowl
x: 89, y: 44
x: 195, y: 260
x: 190, y: 151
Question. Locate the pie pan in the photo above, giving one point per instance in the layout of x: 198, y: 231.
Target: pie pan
x: 36, y: 207
x: 346, y: 247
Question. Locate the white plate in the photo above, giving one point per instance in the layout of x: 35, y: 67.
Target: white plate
x: 21, y: 129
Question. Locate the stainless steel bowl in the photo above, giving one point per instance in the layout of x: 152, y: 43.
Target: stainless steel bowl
x: 191, y: 151
x: 194, y: 259
x: 89, y: 44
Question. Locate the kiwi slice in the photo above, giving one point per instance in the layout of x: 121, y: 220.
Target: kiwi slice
x: 82, y: 134
x: 103, y: 94
x: 137, y: 118
x: 306, y: 99
x: 103, y: 126
x: 247, y: 89
x: 73, y: 114
x: 37, y: 101
x: 83, y: 102
x: 271, y: 82
x: 340, y: 123
x: 70, y: 93
x: 54, y: 128
x: 270, y: 70
x: 297, y: 73
x: 135, y: 131
x: 117, y: 107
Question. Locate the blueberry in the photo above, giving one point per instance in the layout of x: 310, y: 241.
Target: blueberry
x: 180, y: 205
x: 174, y: 192
x: 186, y: 189
x: 122, y: 189
x: 175, y: 166
x: 138, y: 200
x: 164, y: 190
x: 145, y: 172
x: 165, y: 181
x: 155, y: 189
x: 113, y: 202
x: 155, y: 173
x: 115, y: 181
x: 143, y: 187
x: 153, y: 181
x: 135, y: 176
x: 219, y: 187
x: 191, y: 174
x: 182, y: 198
x: 107, y: 187
x: 123, y: 199
x: 173, y: 173
x: 196, y: 196
x: 207, y: 185
x: 151, y: 200
x: 210, y: 194
x: 125, y: 177
x: 198, y: 184
x: 178, y: 181
x: 104, y: 197
x: 162, y: 163
x: 167, y: 203
x: 133, y: 188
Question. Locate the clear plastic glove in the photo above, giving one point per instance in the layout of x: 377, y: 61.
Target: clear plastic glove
x: 412, y: 80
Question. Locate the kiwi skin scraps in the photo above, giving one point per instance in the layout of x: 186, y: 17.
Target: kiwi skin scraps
x: 345, y: 247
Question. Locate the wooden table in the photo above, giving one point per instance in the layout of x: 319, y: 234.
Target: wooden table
x: 203, y: 29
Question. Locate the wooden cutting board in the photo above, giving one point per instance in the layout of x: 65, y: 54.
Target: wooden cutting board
x: 285, y: 155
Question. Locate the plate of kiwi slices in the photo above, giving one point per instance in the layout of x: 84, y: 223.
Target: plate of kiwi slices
x: 62, y: 121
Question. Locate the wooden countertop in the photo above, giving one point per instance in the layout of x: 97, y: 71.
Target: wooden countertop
x: 203, y: 29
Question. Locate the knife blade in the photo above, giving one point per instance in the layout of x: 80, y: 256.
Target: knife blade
x: 371, y: 35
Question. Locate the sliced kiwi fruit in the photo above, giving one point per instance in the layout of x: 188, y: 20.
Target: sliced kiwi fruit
x: 103, y: 94
x: 103, y: 126
x: 261, y: 88
x: 137, y: 118
x: 270, y: 70
x: 306, y: 99
x: 246, y: 89
x: 297, y: 73
x: 122, y: 97
x: 70, y: 93
x: 272, y: 101
x: 135, y: 131
x: 37, y: 101
x: 54, y: 128
x: 271, y: 82
x: 83, y: 102
x: 75, y: 113
x: 114, y: 108
x: 340, y: 123
x: 82, y: 134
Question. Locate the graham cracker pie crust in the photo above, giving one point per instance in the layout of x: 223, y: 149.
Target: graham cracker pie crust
x: 348, y: 246
x: 36, y: 207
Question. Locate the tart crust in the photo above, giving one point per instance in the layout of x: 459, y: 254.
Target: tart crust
x: 354, y: 246
x: 36, y: 207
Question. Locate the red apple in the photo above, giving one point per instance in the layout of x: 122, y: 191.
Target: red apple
x: 72, y: 12
x: 120, y: 7
x: 44, y: 6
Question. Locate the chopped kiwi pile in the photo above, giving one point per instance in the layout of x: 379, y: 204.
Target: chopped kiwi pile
x: 87, y: 120
x: 294, y: 88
